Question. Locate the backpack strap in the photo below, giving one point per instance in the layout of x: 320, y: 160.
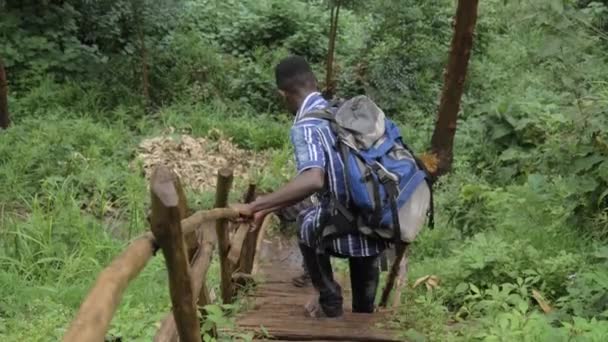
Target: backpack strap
x: 391, y: 187
x: 342, y: 221
x: 324, y: 114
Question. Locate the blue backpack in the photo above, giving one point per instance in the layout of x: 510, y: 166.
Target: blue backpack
x: 390, y: 191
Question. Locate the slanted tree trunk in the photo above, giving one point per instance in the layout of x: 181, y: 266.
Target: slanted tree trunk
x: 137, y: 6
x: 442, y: 141
x: 439, y: 161
x: 5, y: 120
x: 330, y: 84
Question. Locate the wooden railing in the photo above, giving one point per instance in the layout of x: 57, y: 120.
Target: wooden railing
x: 187, y: 244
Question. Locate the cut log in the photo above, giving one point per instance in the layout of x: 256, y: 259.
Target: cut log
x: 166, y: 226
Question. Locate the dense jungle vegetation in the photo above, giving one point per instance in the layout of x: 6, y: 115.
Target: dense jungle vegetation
x: 522, y: 220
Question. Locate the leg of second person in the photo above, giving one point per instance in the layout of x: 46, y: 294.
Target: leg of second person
x: 321, y: 275
x: 364, y: 278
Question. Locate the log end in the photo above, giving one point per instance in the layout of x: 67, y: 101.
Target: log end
x: 163, y: 186
x: 225, y: 172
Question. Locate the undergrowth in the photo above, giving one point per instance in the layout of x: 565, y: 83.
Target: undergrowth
x: 519, y: 247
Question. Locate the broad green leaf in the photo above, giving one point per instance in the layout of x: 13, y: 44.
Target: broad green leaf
x: 461, y: 288
x: 557, y: 6
x: 586, y: 163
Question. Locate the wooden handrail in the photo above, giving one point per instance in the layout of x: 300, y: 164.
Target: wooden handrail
x: 198, y: 271
x: 199, y: 267
x: 93, y: 318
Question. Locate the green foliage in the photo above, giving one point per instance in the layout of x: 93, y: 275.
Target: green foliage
x: 44, y: 41
x: 399, y: 64
x: 525, y: 209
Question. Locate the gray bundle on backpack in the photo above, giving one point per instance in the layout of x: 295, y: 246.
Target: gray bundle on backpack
x: 389, y: 189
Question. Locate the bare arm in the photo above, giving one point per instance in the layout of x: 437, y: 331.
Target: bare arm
x: 301, y: 187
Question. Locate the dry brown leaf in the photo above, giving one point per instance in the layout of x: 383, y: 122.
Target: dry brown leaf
x: 430, y: 161
x: 430, y: 282
x: 420, y: 281
x: 197, y: 160
x: 544, y: 304
x: 433, y: 281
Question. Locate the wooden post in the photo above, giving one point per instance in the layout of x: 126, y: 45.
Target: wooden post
x: 401, y: 251
x: 199, y: 267
x: 167, y: 229
x: 249, y: 195
x: 259, y: 237
x: 237, y: 242
x: 224, y: 182
x: 5, y: 119
x: 245, y: 263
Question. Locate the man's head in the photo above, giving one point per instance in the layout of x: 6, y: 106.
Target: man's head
x: 295, y: 81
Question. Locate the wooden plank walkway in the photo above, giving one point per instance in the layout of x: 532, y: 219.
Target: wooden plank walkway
x: 276, y: 307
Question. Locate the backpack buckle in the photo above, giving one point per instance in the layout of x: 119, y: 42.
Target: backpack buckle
x: 384, y: 175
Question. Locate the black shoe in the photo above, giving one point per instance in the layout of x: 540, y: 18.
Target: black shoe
x: 302, y: 280
x: 315, y: 310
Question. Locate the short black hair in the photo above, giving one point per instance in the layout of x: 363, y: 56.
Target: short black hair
x: 294, y: 73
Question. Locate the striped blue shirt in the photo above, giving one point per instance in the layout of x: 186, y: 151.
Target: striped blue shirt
x: 314, y: 144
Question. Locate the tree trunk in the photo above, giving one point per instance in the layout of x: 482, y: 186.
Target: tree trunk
x: 137, y: 7
x: 400, y: 254
x: 5, y: 120
x: 145, y: 78
x: 445, y: 128
x: 439, y: 161
x: 330, y: 86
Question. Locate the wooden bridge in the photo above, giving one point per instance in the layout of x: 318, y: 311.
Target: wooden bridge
x: 275, y: 308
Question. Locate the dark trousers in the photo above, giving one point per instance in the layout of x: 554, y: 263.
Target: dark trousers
x: 364, y: 277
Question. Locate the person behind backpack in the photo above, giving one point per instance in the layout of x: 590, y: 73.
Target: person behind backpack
x: 320, y: 173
